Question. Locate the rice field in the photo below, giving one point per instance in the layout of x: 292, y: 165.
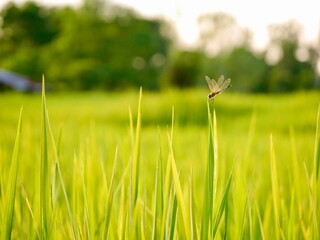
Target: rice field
x: 142, y: 165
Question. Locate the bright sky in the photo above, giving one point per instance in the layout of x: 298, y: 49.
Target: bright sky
x: 252, y: 14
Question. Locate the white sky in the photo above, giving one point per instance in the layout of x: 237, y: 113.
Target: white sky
x: 253, y: 14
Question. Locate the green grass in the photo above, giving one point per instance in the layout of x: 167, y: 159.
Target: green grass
x: 159, y: 165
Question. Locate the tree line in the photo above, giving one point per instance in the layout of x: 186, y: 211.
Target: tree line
x: 108, y: 47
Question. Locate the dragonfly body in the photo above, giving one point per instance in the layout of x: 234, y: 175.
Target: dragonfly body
x: 217, y: 87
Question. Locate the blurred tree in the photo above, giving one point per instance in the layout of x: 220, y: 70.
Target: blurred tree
x: 184, y: 69
x: 83, y: 48
x: 26, y: 25
x: 25, y: 30
x: 94, y: 7
x: 116, y: 53
x: 228, y: 48
x: 246, y: 69
x: 289, y: 73
x: 102, y: 46
x: 220, y: 33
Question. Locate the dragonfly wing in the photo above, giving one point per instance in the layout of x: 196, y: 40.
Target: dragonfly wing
x: 210, y: 84
x: 220, y: 81
x: 225, y: 84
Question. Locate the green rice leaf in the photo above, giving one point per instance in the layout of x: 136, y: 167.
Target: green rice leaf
x: 157, y: 199
x: 193, y: 220
x: 317, y: 147
x: 7, y: 218
x: 45, y: 178
x: 178, y: 190
x: 136, y: 156
x: 208, y: 197
x: 275, y: 191
x: 110, y: 198
x: 222, y: 205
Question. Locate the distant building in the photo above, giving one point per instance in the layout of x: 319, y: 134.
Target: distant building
x: 10, y: 80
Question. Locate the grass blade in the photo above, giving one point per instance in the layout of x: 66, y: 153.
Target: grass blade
x: 110, y: 198
x: 275, y: 192
x: 208, y: 198
x: 166, y: 198
x: 7, y: 218
x: 45, y: 201
x: 157, y: 199
x: 317, y: 147
x: 222, y: 205
x: 244, y: 216
x: 178, y: 190
x: 24, y: 193
x: 173, y: 219
x: 136, y: 155
x: 193, y: 222
x: 313, y: 206
x: 260, y: 223
x: 57, y: 164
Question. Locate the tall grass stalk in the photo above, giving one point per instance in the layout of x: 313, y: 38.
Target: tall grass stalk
x: 136, y: 157
x: 262, y: 232
x: 275, y: 193
x: 208, y: 197
x: 313, y: 183
x: 24, y: 193
x: 110, y: 198
x: 45, y: 176
x: 211, y: 179
x: 158, y: 198
x: 166, y: 201
x: 193, y: 220
x: 316, y: 165
x: 222, y: 205
x: 178, y: 191
x: 58, y: 169
x: 10, y: 196
x: 172, y: 217
x: 316, y: 182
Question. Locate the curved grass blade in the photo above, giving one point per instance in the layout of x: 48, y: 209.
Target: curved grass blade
x: 262, y: 236
x: 136, y: 156
x: 57, y: 164
x: 193, y: 222
x: 7, y: 218
x: 317, y: 147
x: 178, y: 191
x: 173, y: 219
x: 244, y: 216
x: 222, y: 205
x: 24, y: 193
x: 275, y: 192
x: 110, y: 198
x: 158, y: 201
x: 166, y: 199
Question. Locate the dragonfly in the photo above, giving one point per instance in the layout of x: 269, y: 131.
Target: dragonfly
x: 217, y: 87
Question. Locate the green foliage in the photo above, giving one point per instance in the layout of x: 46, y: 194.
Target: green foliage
x: 46, y: 217
x: 249, y: 70
x: 184, y: 69
x: 289, y: 73
x: 10, y: 196
x: 103, y: 46
x: 28, y: 25
x: 80, y: 50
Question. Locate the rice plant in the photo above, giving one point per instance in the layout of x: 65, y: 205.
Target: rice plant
x: 131, y: 182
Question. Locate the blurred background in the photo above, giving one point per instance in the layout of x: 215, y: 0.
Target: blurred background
x: 83, y: 45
